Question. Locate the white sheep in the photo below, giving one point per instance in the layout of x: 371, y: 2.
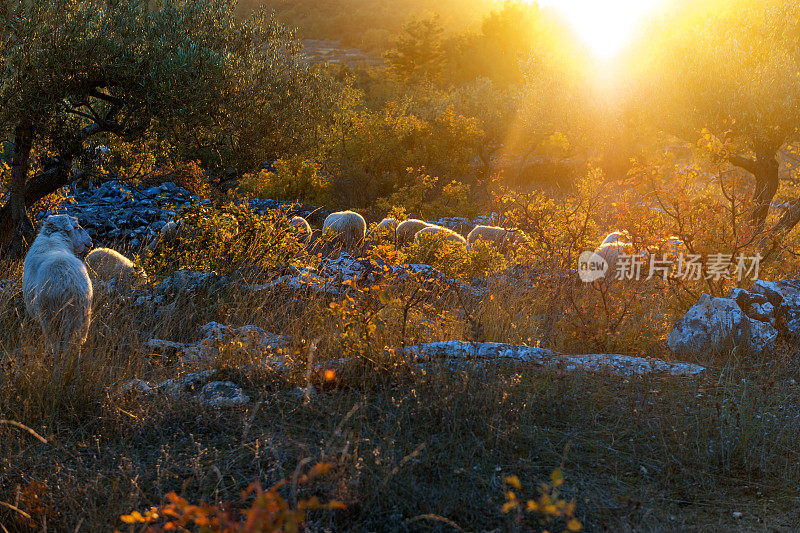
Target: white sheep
x: 302, y: 229
x: 616, y: 245
x: 345, y: 228
x: 407, y: 229
x: 56, y: 284
x: 168, y: 233
x: 439, y: 232
x: 106, y: 265
x: 617, y: 236
x: 502, y: 238
x: 386, y: 229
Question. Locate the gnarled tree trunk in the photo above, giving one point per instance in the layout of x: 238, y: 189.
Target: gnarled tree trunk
x: 16, y: 229
x: 764, y: 169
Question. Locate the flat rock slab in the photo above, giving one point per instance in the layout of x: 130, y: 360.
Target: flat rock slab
x: 482, y: 353
x: 252, y: 340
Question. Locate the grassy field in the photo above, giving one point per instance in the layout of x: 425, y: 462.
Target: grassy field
x: 413, y: 448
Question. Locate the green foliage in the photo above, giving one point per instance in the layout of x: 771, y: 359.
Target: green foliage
x: 454, y: 259
x: 151, y: 83
x: 370, y: 157
x: 294, y: 179
x: 509, y: 37
x: 417, y: 55
x: 366, y: 24
x: 224, y: 239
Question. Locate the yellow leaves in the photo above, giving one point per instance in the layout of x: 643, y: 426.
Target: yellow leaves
x: 133, y: 518
x: 508, y: 507
x: 335, y: 505
x: 136, y: 517
x: 319, y: 469
x: 548, y: 507
x: 268, y: 512
x: 574, y: 525
x: 570, y: 508
x: 557, y: 477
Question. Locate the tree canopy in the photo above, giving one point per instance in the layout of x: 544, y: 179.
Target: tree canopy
x: 79, y: 73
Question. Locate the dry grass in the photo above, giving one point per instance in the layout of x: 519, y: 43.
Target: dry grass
x: 409, y: 444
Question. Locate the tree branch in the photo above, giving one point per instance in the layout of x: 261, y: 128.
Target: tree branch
x: 750, y: 165
x: 113, y: 100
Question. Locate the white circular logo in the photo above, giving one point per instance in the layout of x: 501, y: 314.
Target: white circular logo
x: 591, y: 267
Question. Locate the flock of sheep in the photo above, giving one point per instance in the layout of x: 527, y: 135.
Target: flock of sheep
x: 58, y: 286
x: 348, y: 228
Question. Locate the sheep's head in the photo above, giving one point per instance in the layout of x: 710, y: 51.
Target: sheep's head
x: 68, y: 227
x: 618, y: 236
x: 520, y: 238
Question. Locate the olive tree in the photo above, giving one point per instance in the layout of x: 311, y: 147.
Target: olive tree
x: 732, y: 68
x: 75, y: 73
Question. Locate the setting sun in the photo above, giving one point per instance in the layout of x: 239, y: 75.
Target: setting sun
x: 604, y: 26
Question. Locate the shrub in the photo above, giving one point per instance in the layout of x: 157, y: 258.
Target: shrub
x: 269, y: 510
x: 226, y: 238
x: 294, y: 179
x: 545, y: 510
x: 454, y: 259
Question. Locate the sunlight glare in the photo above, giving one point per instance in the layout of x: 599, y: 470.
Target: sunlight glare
x: 605, y: 26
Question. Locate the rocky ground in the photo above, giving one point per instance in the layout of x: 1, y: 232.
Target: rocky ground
x: 128, y: 217
x: 418, y: 430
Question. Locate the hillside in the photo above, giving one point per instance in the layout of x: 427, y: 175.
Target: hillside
x: 367, y: 24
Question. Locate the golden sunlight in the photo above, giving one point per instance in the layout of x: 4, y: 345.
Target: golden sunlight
x: 605, y: 26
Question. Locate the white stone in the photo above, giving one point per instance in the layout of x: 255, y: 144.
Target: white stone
x: 457, y: 354
x: 715, y: 325
x: 223, y: 394
x: 785, y: 296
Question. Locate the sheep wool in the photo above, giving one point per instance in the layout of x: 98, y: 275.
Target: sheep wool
x: 106, y: 265
x: 55, y: 283
x: 302, y: 229
x: 500, y: 237
x: 438, y: 232
x: 386, y: 229
x: 407, y: 229
x: 345, y: 228
x: 613, y: 247
x: 617, y: 236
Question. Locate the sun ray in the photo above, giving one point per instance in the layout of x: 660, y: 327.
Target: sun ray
x: 605, y: 26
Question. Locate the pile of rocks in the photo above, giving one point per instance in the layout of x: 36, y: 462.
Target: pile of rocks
x: 752, y: 320
x: 457, y: 355
x: 335, y: 276
x: 218, y: 394
x: 255, y: 343
x: 463, y: 226
x: 115, y: 214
